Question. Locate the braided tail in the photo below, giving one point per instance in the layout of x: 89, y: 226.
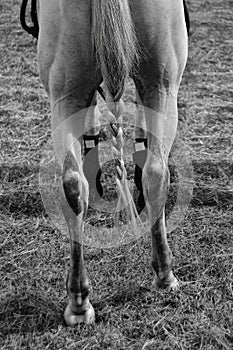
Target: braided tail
x: 116, y: 51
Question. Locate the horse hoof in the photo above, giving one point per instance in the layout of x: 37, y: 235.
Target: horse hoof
x: 170, y: 284
x: 72, y: 319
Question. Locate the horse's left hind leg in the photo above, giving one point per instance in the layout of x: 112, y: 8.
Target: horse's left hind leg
x: 74, y: 202
x: 68, y: 126
x: 67, y: 70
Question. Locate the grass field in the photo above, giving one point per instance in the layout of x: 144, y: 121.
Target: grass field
x: 35, y: 256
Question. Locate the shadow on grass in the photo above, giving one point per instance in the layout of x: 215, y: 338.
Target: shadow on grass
x: 21, y: 194
x: 133, y: 296
x: 28, y: 203
x: 28, y: 313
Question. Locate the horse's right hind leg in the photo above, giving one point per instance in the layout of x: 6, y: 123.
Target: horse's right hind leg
x: 161, y: 125
x: 155, y: 181
x: 157, y: 84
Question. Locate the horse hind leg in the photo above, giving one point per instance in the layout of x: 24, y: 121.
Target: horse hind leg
x: 155, y: 181
x: 157, y: 84
x: 74, y: 206
x: 160, y: 102
x: 68, y: 126
x: 68, y: 72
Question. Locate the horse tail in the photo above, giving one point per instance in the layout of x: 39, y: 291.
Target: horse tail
x: 116, y: 51
x: 114, y: 42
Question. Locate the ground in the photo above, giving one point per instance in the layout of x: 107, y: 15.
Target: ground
x: 35, y: 255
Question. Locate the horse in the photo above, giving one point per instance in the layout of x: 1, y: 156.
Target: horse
x: 85, y: 46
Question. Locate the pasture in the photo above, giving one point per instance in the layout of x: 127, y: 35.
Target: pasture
x: 34, y: 255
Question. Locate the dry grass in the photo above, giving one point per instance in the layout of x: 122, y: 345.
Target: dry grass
x: 35, y: 256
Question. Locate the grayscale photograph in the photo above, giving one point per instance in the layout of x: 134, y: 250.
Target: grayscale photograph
x: 116, y: 175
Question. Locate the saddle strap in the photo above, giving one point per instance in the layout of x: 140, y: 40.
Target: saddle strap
x: 34, y: 29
